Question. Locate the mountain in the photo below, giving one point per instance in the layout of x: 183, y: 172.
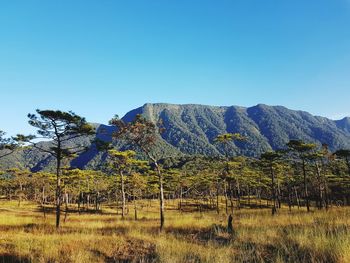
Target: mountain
x: 191, y: 129
x: 344, y: 124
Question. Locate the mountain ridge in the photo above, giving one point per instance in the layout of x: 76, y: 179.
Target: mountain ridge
x: 299, y: 125
x: 192, y: 128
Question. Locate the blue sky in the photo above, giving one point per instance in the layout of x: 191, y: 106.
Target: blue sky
x: 100, y: 58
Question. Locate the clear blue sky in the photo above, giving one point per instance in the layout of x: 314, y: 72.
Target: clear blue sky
x: 100, y: 58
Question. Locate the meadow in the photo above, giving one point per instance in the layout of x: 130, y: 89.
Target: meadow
x: 189, y: 236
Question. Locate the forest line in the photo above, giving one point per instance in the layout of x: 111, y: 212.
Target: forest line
x: 302, y: 174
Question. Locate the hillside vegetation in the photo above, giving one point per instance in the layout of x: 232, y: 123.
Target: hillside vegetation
x: 191, y: 129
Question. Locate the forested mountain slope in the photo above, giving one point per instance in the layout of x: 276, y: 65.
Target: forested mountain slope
x: 191, y: 129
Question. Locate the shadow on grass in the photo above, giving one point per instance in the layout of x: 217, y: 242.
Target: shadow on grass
x: 64, y: 230
x: 215, y: 234
x: 289, y: 251
x: 283, y: 249
x: 82, y: 211
x: 8, y: 258
x: 134, y: 250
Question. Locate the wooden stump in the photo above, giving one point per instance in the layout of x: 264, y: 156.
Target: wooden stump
x: 229, y: 224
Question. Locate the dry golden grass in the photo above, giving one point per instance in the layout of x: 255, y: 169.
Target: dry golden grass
x: 320, y: 236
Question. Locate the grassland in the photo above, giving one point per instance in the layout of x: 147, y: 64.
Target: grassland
x: 319, y: 236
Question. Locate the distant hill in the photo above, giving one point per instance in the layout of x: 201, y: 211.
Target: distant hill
x: 191, y: 129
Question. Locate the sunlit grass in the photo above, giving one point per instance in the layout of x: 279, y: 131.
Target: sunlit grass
x: 319, y: 236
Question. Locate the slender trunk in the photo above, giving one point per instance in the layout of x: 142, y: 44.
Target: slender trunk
x: 260, y: 199
x: 320, y: 190
x: 347, y: 160
x: 231, y: 199
x: 123, y: 194
x: 66, y: 203
x: 135, y: 207
x: 83, y: 200
x: 248, y: 190
x: 200, y: 206
x: 273, y: 191
x: 289, y: 197
x: 161, y: 196
x: 88, y: 196
x: 88, y: 201
x: 20, y: 194
x: 217, y: 198
x: 117, y: 203
x: 43, y: 201
x: 348, y: 164
x: 305, y: 187
x: 325, y: 186
x: 58, y: 189
x: 108, y: 198
x: 238, y: 194
x: 226, y: 199
x: 79, y: 201
x: 297, y: 197
x: 97, y: 206
x: 279, y: 194
x: 180, y: 201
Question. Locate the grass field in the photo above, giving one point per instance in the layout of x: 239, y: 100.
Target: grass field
x: 319, y: 236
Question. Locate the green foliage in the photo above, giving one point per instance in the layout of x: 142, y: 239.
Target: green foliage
x: 7, y: 145
x: 192, y: 129
x: 59, y: 127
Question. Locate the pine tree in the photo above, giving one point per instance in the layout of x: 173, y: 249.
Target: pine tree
x: 59, y: 127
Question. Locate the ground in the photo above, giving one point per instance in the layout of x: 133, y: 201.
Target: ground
x: 297, y: 236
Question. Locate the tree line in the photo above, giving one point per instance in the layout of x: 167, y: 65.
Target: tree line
x: 302, y: 174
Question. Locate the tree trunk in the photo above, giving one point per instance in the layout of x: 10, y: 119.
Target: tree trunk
x: 279, y: 194
x: 88, y: 201
x: 161, y: 197
x: 305, y: 187
x: 320, y: 190
x: 238, y: 194
x: 297, y: 197
x: 231, y: 198
x: 79, y: 201
x: 66, y: 202
x: 289, y: 197
x: 135, y: 206
x: 43, y: 201
x: 226, y: 199
x: 230, y: 225
x: 123, y: 194
x: 248, y: 190
x: 180, y: 201
x: 325, y: 186
x: 58, y: 186
x: 273, y: 190
x: 97, y: 204
x: 217, y: 198
x: 20, y: 194
x: 117, y: 203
